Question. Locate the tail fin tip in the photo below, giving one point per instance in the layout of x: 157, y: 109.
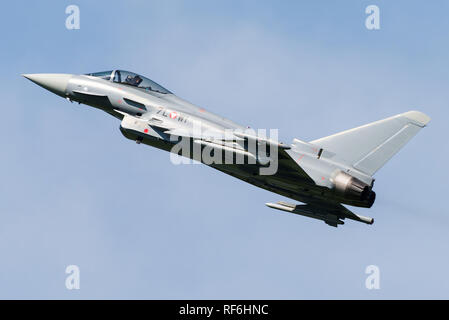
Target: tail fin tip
x: 421, y: 119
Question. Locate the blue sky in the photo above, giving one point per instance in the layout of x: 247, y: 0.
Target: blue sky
x: 75, y: 191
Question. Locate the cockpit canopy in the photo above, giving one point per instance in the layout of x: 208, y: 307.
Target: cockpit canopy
x: 130, y: 79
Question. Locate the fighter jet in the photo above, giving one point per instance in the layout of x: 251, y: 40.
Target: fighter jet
x: 322, y: 174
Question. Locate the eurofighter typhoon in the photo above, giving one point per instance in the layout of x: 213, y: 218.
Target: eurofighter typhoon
x: 322, y: 174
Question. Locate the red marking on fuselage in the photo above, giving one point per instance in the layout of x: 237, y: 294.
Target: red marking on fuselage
x: 146, y: 130
x: 173, y: 115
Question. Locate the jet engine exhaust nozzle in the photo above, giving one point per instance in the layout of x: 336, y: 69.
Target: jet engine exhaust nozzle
x: 352, y: 188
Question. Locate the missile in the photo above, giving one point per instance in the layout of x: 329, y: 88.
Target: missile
x: 331, y: 217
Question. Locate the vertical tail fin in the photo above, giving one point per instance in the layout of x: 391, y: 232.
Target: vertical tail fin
x: 370, y: 146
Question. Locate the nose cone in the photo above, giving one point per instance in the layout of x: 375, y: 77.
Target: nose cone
x: 54, y: 82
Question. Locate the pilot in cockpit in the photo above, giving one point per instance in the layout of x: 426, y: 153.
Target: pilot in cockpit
x: 134, y: 81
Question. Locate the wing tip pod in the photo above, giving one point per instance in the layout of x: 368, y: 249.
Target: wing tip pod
x: 421, y: 119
